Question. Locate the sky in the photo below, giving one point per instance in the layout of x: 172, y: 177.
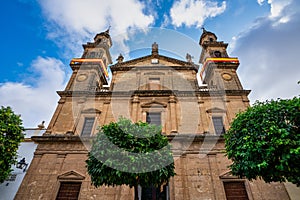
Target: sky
x: 40, y: 37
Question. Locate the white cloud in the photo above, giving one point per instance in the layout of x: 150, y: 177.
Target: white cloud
x: 277, y: 7
x: 20, y: 64
x: 76, y: 21
x: 70, y: 23
x: 91, y: 15
x: 260, y: 2
x: 194, y: 12
x: 35, y: 103
x: 278, y: 12
x: 165, y: 22
x: 269, y: 57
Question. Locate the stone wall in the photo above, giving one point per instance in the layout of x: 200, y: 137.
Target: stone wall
x: 200, y: 165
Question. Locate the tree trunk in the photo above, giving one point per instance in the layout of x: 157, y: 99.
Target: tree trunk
x: 136, y: 192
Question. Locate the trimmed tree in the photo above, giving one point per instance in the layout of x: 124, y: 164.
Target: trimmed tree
x: 264, y: 141
x: 133, y: 154
x: 11, y: 134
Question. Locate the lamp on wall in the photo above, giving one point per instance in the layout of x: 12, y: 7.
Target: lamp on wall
x: 22, y: 164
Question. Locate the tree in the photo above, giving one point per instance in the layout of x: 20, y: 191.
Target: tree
x: 131, y: 154
x: 11, y: 134
x: 264, y: 141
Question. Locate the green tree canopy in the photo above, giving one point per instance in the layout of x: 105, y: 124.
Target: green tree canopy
x: 131, y: 154
x: 264, y: 141
x: 11, y: 134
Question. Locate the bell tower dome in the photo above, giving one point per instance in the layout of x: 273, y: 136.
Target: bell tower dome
x: 99, y: 49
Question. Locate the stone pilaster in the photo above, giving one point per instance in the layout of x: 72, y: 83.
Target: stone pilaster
x: 173, y: 116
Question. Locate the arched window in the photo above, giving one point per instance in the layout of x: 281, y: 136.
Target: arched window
x: 217, y: 54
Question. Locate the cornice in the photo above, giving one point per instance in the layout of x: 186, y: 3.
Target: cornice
x: 56, y: 138
x: 49, y: 138
x: 70, y: 93
x: 214, y: 44
x: 195, y: 137
x: 220, y: 92
x: 149, y: 93
x: 158, y: 67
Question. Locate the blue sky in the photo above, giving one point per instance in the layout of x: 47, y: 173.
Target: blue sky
x: 40, y: 37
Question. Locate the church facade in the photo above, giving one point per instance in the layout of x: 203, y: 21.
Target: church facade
x: 155, y: 89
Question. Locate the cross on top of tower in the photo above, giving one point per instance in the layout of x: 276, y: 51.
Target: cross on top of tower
x: 107, y: 31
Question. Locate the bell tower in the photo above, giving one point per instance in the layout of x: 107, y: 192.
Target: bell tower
x: 218, y: 69
x: 99, y: 49
x: 89, y: 74
x: 90, y: 71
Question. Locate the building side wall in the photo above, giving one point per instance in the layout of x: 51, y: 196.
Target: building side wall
x: 199, y: 174
x: 190, y: 114
x: 167, y: 86
x: 51, y: 160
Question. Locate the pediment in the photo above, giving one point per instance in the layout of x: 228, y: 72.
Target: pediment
x: 91, y: 110
x: 153, y: 104
x: 215, y: 110
x: 228, y: 175
x: 154, y: 61
x: 71, y: 175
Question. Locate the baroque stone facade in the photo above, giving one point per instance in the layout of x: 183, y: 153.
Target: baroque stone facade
x: 155, y: 89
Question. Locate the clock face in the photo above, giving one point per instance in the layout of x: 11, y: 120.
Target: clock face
x: 81, y: 77
x: 226, y: 77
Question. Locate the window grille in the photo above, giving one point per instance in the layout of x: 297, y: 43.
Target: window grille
x: 218, y: 125
x: 235, y: 190
x: 68, y: 190
x: 154, y: 118
x: 87, y: 126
